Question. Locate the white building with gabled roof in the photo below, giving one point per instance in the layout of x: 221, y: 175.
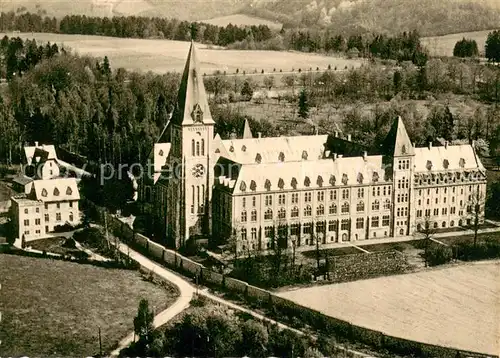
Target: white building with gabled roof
x: 302, y: 189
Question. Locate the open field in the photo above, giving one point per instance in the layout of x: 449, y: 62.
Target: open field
x: 54, y: 307
x: 242, y: 20
x: 161, y: 56
x: 455, y: 306
x: 443, y: 45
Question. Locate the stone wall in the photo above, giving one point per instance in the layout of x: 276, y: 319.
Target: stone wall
x: 361, y: 266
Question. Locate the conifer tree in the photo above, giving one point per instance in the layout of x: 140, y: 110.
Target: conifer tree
x: 303, y: 105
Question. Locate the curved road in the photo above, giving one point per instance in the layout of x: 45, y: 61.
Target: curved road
x: 187, y: 291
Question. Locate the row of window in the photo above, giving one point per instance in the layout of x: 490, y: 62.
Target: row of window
x: 197, y: 148
x: 444, y: 211
x: 47, y: 219
x: 445, y: 180
x: 403, y: 183
x: 445, y: 190
x: 198, y: 199
x: 37, y: 210
x: 435, y: 225
x: 404, y: 164
x: 321, y: 227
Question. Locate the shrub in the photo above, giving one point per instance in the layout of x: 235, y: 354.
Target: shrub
x: 489, y: 249
x: 438, y: 255
x: 69, y: 243
x: 63, y: 228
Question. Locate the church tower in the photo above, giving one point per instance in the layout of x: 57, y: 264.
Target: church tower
x: 399, y: 159
x: 190, y: 163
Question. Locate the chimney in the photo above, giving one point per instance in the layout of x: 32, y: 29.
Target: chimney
x: 36, y: 144
x: 365, y: 155
x: 430, y: 145
x: 349, y: 137
x: 446, y: 145
x: 259, y: 134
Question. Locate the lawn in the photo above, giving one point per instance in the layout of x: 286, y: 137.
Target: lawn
x: 52, y: 244
x: 455, y: 306
x: 443, y: 45
x: 54, y: 307
x: 161, y: 56
x: 348, y: 250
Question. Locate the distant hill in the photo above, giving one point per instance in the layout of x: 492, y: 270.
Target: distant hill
x: 429, y: 17
x: 239, y: 19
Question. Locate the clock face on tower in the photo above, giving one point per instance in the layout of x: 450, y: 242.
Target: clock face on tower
x: 198, y: 170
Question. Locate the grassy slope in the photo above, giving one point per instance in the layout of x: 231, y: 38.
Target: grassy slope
x: 443, y: 45
x: 55, y: 307
x: 164, y: 55
x: 454, y: 306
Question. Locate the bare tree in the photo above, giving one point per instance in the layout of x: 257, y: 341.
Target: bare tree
x: 425, y: 227
x: 475, y: 211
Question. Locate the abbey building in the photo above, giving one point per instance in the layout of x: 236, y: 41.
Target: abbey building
x: 297, y: 190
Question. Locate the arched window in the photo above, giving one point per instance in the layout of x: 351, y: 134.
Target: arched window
x: 333, y: 209
x: 401, y: 232
x: 295, y: 212
x: 268, y: 215
x: 203, y: 147
x: 452, y: 223
x: 345, y: 208
x: 307, y: 210
x: 282, y: 214
x: 192, y: 147
x: 443, y: 224
x: 387, y: 204
x: 360, y: 207
x: 197, y: 148
x: 435, y: 225
x: 243, y: 216
x: 320, y: 210
x: 376, y: 205
x: 254, y: 215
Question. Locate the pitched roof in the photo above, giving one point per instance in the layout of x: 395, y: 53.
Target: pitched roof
x: 397, y: 143
x: 160, y: 154
x: 22, y: 180
x: 192, y: 98
x: 275, y: 149
x: 446, y: 158
x: 247, y: 132
x: 50, y: 152
x: 63, y: 189
x: 315, y: 173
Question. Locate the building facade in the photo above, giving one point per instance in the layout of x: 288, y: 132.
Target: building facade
x: 300, y: 190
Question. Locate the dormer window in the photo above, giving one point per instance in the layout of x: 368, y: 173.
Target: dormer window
x: 294, y: 183
x: 304, y: 155
x: 197, y: 113
x: 253, y: 185
x: 160, y: 153
x: 44, y: 193
x: 446, y: 164
x: 344, y: 179
x: 69, y: 191
x: 307, y: 182
x: 258, y: 158
x: 267, y: 185
x: 243, y: 186
x: 281, y: 183
x: 56, y: 192
x: 461, y: 163
x: 360, y: 178
x: 319, y: 181
x: 332, y: 180
x: 403, y: 149
x: 244, y: 148
x: 429, y: 165
x: 281, y: 157
x: 231, y: 149
x: 375, y: 177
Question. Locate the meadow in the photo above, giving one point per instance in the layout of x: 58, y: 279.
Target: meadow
x: 443, y: 45
x: 162, y: 56
x: 54, y: 308
x: 454, y: 306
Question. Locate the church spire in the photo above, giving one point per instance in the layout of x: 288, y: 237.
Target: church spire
x: 247, y: 132
x: 397, y: 142
x: 192, y: 104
